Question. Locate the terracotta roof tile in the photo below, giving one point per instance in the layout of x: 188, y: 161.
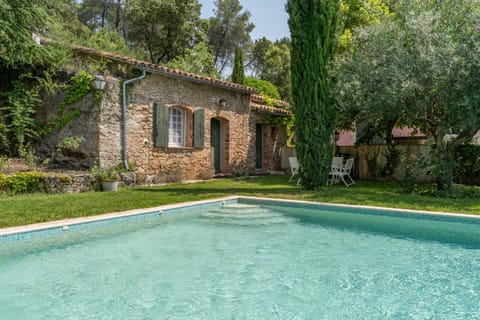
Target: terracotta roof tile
x: 260, y: 99
x: 269, y: 109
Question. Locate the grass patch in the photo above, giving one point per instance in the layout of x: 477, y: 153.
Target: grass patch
x: 33, y: 208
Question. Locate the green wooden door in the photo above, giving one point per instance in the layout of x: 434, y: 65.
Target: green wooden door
x: 259, y: 147
x: 215, y: 143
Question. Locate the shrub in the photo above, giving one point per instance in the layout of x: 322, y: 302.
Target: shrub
x: 266, y: 88
x: 23, y: 182
x: 105, y: 173
x: 70, y: 144
x: 81, y: 85
x: 410, y: 163
x: 4, y: 163
x: 467, y: 168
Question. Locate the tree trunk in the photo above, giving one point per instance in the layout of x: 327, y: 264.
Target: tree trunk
x: 442, y: 162
x: 118, y: 13
x: 104, y: 12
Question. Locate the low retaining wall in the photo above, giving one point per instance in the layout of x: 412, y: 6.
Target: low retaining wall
x: 76, y: 183
x: 68, y: 183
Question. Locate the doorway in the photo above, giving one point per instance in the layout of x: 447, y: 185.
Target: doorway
x: 215, y: 143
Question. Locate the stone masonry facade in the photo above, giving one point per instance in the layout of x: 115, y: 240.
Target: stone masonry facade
x: 238, y: 125
x: 235, y: 123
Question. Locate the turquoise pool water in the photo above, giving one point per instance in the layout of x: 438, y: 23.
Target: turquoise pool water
x: 243, y: 261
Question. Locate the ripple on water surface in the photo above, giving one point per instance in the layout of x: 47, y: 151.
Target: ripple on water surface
x: 243, y: 263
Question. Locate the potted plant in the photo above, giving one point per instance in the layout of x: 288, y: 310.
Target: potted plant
x: 109, y: 179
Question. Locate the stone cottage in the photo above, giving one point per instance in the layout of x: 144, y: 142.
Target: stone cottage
x: 163, y: 121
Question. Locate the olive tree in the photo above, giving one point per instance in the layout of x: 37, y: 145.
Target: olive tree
x: 422, y: 69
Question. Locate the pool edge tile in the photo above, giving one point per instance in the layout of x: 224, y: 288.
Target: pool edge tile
x: 58, y: 226
x: 53, y: 227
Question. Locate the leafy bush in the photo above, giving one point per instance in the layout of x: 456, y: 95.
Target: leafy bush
x: 105, y: 173
x: 266, y: 88
x: 111, y: 41
x: 467, y: 168
x: 4, y: 163
x: 18, y: 127
x: 70, y: 143
x: 410, y: 163
x: 81, y: 84
x: 457, y: 192
x: 28, y: 154
x: 23, y: 182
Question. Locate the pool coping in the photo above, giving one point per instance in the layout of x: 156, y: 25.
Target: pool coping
x: 66, y: 223
x: 103, y: 217
x: 353, y: 206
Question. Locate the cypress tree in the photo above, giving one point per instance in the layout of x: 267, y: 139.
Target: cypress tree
x: 313, y: 27
x: 238, y: 75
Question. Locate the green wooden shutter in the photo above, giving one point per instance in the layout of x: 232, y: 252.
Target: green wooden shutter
x: 198, y: 128
x: 160, y: 125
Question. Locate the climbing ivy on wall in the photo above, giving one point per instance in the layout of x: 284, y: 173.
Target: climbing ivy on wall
x: 287, y: 122
x: 79, y: 86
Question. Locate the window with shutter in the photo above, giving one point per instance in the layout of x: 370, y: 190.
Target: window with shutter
x: 176, y: 127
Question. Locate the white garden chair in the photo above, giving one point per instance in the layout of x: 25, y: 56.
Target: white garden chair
x: 337, y: 164
x: 344, y: 172
x: 294, y: 167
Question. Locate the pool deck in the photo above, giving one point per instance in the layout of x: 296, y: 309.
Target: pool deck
x: 67, y: 223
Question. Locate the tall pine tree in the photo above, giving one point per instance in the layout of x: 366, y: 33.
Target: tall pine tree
x: 238, y: 75
x: 313, y: 28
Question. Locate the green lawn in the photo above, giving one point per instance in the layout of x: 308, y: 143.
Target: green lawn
x: 33, y: 208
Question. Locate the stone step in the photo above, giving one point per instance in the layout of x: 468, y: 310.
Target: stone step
x: 241, y: 214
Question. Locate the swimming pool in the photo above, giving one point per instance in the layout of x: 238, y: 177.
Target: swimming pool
x: 248, y: 259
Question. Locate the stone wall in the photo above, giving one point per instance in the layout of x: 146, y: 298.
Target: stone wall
x: 190, y: 162
x: 109, y: 125
x: 273, y: 140
x: 81, y: 182
x: 73, y: 183
x: 85, y: 126
x: 100, y: 124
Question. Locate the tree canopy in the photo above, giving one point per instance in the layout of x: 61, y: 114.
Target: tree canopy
x: 228, y: 28
x: 238, y: 73
x: 18, y: 21
x: 421, y: 69
x: 102, y: 14
x: 166, y: 30
x: 359, y: 13
x: 270, y: 61
x: 25, y: 68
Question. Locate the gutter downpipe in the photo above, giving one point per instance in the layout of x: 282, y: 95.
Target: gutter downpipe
x: 124, y: 117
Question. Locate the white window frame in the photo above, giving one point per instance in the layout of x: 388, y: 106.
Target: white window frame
x: 176, y: 127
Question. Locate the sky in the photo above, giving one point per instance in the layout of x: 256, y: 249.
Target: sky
x: 269, y: 17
